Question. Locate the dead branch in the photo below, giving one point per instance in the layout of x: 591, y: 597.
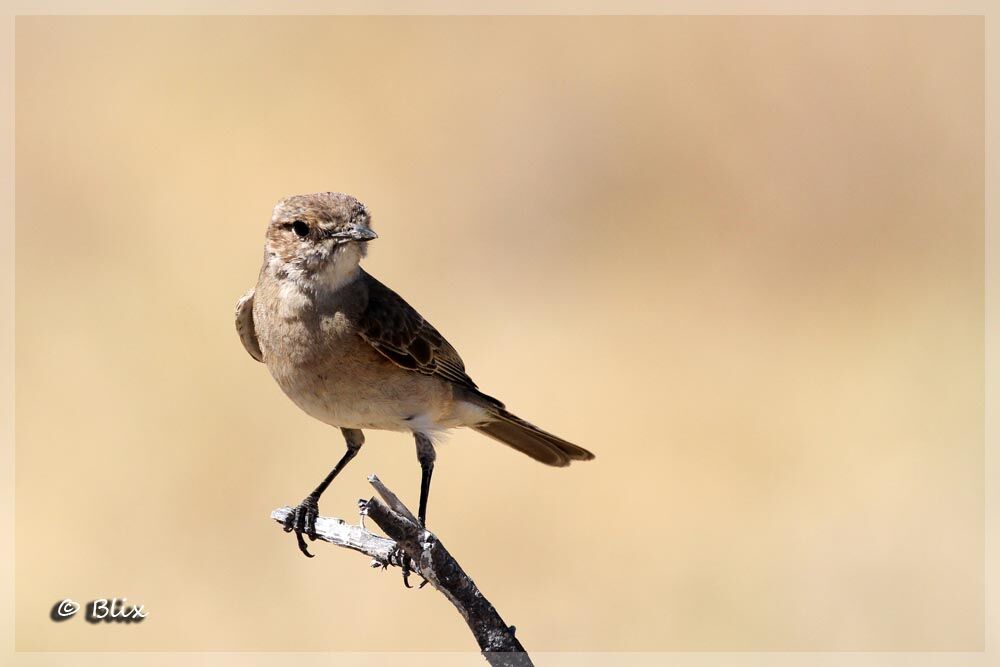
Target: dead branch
x: 427, y: 557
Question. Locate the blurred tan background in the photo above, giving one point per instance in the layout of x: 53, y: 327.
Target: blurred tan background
x: 739, y: 258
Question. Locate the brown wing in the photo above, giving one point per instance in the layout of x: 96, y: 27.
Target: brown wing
x: 399, y: 332
x: 245, y: 327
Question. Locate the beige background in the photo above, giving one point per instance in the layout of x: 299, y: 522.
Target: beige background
x: 739, y: 258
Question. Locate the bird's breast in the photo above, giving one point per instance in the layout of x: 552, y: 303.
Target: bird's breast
x: 322, y: 363
x: 335, y: 376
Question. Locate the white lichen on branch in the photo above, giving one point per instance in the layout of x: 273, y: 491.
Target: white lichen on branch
x: 350, y: 536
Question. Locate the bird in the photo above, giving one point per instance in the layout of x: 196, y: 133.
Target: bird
x: 353, y: 354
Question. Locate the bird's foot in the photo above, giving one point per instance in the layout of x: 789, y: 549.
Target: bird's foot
x: 303, y: 521
x: 399, y: 557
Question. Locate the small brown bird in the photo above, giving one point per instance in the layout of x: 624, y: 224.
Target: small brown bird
x: 353, y: 354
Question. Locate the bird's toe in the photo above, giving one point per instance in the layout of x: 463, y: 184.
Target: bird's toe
x: 303, y: 522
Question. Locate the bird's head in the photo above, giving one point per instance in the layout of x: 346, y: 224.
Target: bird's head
x: 318, y: 238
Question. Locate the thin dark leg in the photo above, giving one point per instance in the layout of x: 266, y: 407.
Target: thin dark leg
x: 426, y: 456
x: 355, y: 438
x: 303, y: 519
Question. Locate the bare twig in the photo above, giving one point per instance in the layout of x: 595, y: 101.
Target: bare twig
x: 382, y: 551
x: 390, y: 498
x: 428, y: 557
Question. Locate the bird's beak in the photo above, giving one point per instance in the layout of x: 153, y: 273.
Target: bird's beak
x: 353, y: 233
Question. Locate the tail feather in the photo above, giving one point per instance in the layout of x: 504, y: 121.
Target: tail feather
x: 531, y: 440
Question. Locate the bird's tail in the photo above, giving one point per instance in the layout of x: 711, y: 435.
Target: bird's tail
x: 527, y: 438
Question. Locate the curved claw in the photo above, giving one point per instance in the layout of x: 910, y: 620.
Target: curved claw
x: 302, y: 544
x: 404, y: 564
x: 303, y: 521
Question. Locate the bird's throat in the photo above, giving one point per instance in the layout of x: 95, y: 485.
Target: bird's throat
x: 337, y: 273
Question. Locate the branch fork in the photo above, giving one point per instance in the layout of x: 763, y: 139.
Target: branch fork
x: 408, y: 541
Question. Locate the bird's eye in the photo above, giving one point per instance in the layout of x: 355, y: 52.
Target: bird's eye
x: 300, y: 228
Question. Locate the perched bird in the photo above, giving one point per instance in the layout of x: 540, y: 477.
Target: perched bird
x: 353, y: 354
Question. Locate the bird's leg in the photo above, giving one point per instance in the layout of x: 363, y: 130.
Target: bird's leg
x: 303, y: 519
x: 426, y: 456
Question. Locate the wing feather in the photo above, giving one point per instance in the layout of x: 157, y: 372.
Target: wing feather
x: 404, y: 337
x: 245, y: 327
